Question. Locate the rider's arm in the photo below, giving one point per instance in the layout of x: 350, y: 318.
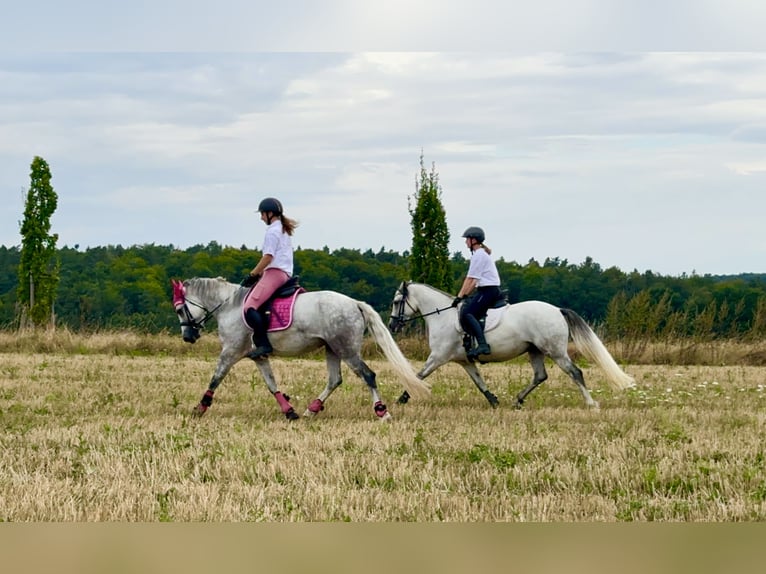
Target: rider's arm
x: 262, y: 264
x: 469, y: 284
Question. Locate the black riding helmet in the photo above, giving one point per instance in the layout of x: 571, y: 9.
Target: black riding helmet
x: 476, y: 233
x: 270, y: 204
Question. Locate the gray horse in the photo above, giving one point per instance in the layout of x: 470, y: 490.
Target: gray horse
x: 320, y: 319
x: 533, y: 327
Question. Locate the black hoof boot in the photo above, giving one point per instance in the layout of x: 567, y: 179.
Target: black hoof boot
x: 404, y: 398
x: 491, y: 398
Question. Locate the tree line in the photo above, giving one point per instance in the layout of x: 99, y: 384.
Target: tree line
x: 115, y: 287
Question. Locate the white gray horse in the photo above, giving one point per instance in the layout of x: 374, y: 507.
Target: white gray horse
x: 320, y: 319
x: 533, y: 327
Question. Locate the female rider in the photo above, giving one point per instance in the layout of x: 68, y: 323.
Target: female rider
x: 483, y: 277
x: 271, y: 272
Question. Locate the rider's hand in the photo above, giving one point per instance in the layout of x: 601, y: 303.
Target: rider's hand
x: 249, y: 280
x: 456, y: 301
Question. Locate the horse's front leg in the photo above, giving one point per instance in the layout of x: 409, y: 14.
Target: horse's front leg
x: 432, y: 363
x: 264, y: 366
x: 226, y: 361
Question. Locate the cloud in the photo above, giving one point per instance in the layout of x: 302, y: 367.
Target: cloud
x: 555, y: 154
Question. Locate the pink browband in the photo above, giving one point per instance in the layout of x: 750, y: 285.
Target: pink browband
x: 179, y: 294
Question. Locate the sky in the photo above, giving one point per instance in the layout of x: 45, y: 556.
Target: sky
x: 640, y: 154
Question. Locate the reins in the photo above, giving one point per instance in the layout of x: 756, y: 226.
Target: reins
x: 401, y: 319
x: 434, y: 312
x: 192, y: 322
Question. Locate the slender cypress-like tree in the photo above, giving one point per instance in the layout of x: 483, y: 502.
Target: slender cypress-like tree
x: 429, y: 259
x: 38, y: 266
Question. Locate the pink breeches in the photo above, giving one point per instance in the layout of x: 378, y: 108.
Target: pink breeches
x: 271, y: 280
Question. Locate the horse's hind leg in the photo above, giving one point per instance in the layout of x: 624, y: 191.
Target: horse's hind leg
x: 573, y: 371
x: 365, y: 373
x: 537, y: 360
x: 334, y: 380
x: 264, y: 366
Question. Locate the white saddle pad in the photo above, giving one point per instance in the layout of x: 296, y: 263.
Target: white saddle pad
x: 493, y: 319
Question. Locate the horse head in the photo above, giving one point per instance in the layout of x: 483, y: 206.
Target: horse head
x: 190, y: 327
x: 401, y: 309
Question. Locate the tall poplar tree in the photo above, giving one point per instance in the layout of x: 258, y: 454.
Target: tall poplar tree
x: 429, y: 259
x: 38, y: 269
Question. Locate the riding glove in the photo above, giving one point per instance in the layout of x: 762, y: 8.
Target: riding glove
x: 456, y: 301
x: 250, y: 280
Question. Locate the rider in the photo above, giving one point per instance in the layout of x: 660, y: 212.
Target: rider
x: 272, y: 271
x: 483, y: 276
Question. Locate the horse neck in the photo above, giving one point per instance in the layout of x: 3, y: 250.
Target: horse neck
x: 209, y: 292
x: 427, y: 298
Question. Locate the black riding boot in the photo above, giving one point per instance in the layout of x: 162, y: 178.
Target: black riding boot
x: 473, y: 327
x: 260, y: 340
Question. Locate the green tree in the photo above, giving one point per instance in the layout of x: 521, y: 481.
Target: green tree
x: 38, y: 269
x: 429, y: 261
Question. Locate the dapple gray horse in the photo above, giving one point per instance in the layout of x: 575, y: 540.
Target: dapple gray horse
x: 533, y: 327
x: 320, y: 319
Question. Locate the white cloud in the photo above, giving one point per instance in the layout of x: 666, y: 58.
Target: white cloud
x: 561, y: 155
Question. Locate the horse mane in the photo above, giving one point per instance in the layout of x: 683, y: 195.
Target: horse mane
x: 206, y: 287
x: 432, y: 288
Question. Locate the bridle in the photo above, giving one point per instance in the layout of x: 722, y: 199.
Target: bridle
x: 399, y: 320
x: 182, y: 302
x: 190, y: 321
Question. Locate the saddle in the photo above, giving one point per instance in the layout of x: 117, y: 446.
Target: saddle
x: 277, y: 310
x: 488, y: 321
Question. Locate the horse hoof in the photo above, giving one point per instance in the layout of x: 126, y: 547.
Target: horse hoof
x: 403, y: 398
x: 199, y: 410
x: 386, y: 418
x: 291, y: 415
x: 309, y: 414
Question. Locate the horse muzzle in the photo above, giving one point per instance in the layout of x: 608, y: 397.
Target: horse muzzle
x: 190, y: 334
x: 395, y: 325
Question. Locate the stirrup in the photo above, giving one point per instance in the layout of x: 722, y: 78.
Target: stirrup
x: 483, y: 349
x: 262, y: 351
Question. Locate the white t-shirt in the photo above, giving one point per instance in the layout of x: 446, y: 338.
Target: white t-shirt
x: 280, y: 246
x: 483, y: 269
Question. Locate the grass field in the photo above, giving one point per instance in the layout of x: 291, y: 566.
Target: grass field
x: 104, y: 436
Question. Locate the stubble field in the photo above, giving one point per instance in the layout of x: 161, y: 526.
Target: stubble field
x: 110, y: 437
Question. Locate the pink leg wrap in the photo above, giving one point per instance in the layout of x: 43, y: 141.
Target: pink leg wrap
x: 283, y: 402
x: 204, y: 404
x: 380, y: 409
x: 316, y: 406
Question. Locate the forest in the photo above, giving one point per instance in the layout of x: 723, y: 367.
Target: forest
x: 115, y: 287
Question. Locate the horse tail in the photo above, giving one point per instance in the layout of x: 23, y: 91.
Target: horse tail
x: 412, y: 383
x: 586, y: 341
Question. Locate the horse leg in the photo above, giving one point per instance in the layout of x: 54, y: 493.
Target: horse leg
x: 368, y: 376
x: 476, y: 377
x: 537, y: 360
x: 264, y: 366
x: 226, y: 361
x: 573, y: 371
x: 334, y: 379
x: 431, y: 365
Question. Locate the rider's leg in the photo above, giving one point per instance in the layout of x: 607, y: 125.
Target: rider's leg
x: 473, y: 327
x: 260, y: 339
